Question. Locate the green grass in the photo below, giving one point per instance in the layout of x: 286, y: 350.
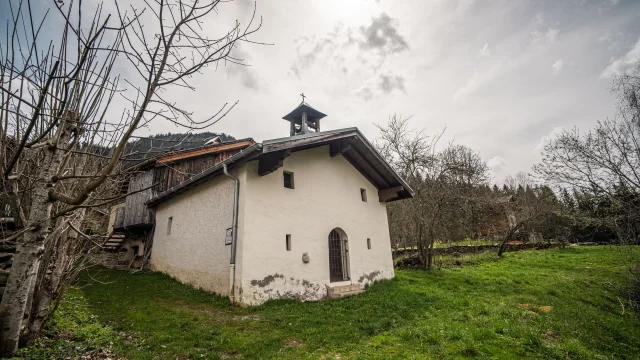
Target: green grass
x: 474, y: 311
x: 72, y: 331
x: 466, y: 242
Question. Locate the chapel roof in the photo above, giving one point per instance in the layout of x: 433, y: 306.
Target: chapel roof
x: 349, y: 142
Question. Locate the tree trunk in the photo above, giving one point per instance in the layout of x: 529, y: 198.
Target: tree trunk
x: 421, y: 247
x: 23, y: 272
x: 430, y: 254
x: 507, y: 237
x: 43, y: 271
x: 51, y: 285
x: 30, y: 248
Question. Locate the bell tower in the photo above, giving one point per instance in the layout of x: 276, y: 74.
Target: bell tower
x: 304, y: 119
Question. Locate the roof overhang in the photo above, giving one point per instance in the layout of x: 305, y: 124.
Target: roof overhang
x: 353, y: 146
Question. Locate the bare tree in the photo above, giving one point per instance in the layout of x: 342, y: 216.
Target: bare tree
x: 533, y: 210
x: 446, y: 185
x: 602, y: 166
x: 605, y: 160
x: 60, y: 142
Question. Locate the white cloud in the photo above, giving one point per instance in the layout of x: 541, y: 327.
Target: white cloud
x: 484, y: 51
x: 479, y: 79
x: 549, y: 35
x: 548, y: 138
x: 384, y: 83
x: 605, y: 38
x: 557, y: 66
x: 496, y: 163
x: 539, y: 19
x: 624, y: 63
x: 464, y: 5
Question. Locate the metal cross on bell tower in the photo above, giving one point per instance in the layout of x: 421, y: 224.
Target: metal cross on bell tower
x: 304, y: 118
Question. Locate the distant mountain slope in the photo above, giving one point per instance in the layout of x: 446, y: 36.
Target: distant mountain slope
x: 143, y: 148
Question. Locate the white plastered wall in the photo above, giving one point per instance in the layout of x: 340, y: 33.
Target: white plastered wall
x: 326, y: 196
x: 195, y: 252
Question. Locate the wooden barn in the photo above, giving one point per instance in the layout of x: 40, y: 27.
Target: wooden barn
x: 132, y: 221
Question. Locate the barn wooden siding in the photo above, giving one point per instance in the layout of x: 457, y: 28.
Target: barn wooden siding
x: 165, y: 175
x: 168, y: 175
x: 118, y: 223
x: 137, y: 212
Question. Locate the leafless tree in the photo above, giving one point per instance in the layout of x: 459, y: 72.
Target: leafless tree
x: 446, y: 184
x: 63, y: 134
x: 532, y: 210
x: 604, y: 163
x: 605, y: 160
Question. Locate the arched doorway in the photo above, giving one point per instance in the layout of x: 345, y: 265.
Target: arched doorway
x: 338, y: 256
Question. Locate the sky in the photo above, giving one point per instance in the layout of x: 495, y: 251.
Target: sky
x: 501, y: 76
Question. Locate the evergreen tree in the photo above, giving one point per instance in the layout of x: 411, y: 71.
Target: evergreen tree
x: 567, y: 200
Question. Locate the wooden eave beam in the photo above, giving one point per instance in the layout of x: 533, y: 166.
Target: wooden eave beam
x: 367, y: 168
x: 385, y: 195
x: 271, y: 162
x: 340, y: 146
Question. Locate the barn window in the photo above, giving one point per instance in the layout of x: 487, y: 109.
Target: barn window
x: 368, y: 243
x: 363, y: 194
x: 288, y: 180
x: 288, y: 242
x: 169, y: 222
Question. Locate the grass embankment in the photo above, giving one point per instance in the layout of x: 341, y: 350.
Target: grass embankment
x: 534, y: 304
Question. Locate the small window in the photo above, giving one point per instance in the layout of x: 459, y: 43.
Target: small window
x: 363, y: 194
x: 169, y: 222
x: 288, y: 242
x: 288, y: 180
x: 368, y: 243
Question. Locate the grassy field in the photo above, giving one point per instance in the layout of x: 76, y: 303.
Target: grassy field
x: 534, y: 304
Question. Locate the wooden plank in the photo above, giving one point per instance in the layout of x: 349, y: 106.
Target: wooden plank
x: 365, y: 168
x: 136, y: 211
x: 119, y: 220
x: 340, y: 146
x: 204, y: 151
x: 271, y: 162
x: 389, y: 193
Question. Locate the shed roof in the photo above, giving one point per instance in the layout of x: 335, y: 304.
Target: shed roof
x: 180, y: 154
x: 349, y: 142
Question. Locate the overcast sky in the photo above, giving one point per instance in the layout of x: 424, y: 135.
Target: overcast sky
x: 501, y: 75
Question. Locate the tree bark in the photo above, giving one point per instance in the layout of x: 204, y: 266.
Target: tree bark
x: 507, y: 237
x: 421, y: 247
x: 30, y: 248
x: 430, y: 254
x: 51, y: 284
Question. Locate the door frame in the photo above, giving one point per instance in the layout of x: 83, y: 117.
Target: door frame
x: 337, y: 237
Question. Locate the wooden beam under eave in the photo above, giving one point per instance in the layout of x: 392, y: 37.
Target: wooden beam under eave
x: 385, y: 195
x: 363, y: 165
x: 271, y: 162
x: 340, y: 146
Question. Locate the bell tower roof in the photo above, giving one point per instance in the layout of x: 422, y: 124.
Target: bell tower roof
x: 295, y: 116
x: 303, y: 119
